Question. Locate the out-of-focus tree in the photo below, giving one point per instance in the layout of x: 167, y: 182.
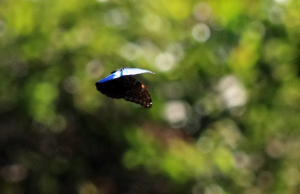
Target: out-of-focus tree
x: 226, y: 98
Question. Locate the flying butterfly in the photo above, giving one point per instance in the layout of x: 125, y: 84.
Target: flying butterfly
x: 122, y: 84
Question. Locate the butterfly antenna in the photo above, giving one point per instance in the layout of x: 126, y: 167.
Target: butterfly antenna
x: 122, y: 70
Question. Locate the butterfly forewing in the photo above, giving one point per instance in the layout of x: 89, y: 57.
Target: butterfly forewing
x: 113, y: 88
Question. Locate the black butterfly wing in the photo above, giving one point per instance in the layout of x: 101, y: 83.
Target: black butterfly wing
x: 126, y: 87
x: 113, y: 88
x: 137, y: 92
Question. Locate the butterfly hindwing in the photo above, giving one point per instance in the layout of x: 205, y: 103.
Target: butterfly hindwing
x: 137, y: 92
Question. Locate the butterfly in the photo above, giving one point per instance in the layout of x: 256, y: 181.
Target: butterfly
x: 122, y: 84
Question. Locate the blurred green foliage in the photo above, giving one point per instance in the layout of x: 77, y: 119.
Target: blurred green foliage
x: 226, y: 98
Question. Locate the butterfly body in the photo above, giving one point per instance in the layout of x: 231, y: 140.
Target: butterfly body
x: 122, y: 84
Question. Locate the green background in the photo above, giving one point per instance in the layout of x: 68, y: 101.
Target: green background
x: 226, y: 97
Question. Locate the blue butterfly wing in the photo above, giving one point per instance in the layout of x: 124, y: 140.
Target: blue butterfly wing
x: 124, y: 72
x: 112, y: 76
x: 134, y: 71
